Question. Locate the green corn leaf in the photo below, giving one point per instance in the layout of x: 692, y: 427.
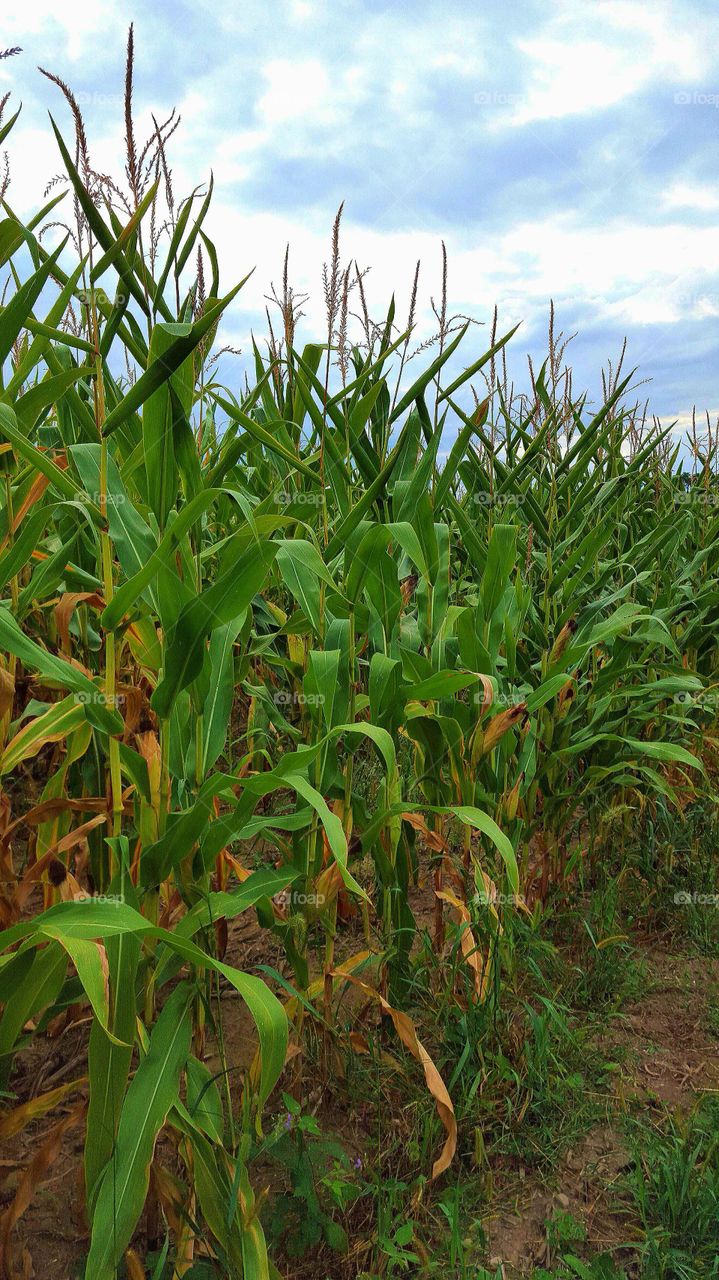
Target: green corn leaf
x: 153, y: 1091
x: 96, y: 711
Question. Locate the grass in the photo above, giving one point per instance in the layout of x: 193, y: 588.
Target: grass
x: 674, y: 1192
x: 357, y: 731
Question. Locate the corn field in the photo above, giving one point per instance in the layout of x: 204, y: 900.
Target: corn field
x: 374, y: 628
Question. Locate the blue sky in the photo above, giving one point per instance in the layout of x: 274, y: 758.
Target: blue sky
x: 561, y: 150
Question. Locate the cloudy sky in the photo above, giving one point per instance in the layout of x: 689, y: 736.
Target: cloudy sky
x: 561, y: 150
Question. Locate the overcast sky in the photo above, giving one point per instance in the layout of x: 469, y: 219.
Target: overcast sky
x: 561, y: 150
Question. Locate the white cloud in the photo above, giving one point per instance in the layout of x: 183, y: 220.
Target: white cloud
x: 296, y: 91
x: 624, y: 276
x: 393, y: 108
x: 681, y: 195
x: 302, y: 10
x: 574, y: 76
x: 86, y: 29
x: 580, y: 64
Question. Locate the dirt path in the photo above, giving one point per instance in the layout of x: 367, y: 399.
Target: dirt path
x: 663, y: 1042
x: 669, y: 1058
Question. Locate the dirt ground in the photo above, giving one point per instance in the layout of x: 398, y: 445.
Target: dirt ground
x: 667, y: 1058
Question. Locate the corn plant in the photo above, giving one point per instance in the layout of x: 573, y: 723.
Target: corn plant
x: 219, y: 602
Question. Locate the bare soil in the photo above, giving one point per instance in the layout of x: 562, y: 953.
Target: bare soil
x: 668, y: 1058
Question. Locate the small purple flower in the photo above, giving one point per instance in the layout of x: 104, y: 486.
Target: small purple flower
x: 357, y: 1162
x: 288, y: 1120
